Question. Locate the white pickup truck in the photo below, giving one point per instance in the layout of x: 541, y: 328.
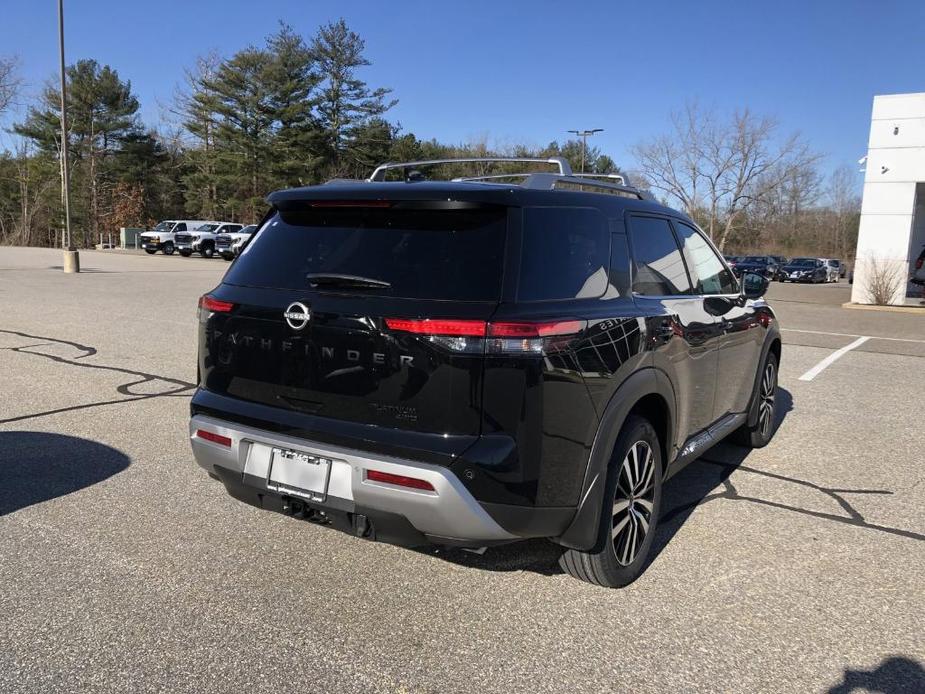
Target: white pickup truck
x: 229, y: 245
x: 201, y: 240
x: 162, y: 236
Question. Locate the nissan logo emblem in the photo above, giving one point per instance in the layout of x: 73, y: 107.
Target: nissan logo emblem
x: 297, y: 315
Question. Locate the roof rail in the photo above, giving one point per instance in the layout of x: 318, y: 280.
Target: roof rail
x: 619, y: 178
x: 379, y: 173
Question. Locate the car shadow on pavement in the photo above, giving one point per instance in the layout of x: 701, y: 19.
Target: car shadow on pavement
x: 895, y: 675
x: 680, y: 497
x: 705, y: 479
x: 37, y: 466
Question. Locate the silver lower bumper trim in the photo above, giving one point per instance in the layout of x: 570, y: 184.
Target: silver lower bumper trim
x: 449, y: 511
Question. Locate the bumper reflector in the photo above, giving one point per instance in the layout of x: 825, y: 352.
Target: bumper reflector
x: 213, y: 437
x: 399, y: 480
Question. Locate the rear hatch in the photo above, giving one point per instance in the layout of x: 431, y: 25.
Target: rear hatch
x: 330, y: 311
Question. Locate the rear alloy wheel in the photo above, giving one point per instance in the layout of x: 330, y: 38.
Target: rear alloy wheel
x: 759, y: 434
x: 207, y: 251
x: 168, y: 249
x: 630, y: 513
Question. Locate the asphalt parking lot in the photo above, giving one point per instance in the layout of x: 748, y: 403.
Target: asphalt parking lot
x: 799, y: 567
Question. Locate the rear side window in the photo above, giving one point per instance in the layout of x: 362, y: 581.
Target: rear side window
x: 422, y: 253
x: 180, y: 227
x: 708, y: 273
x: 658, y: 268
x: 566, y: 254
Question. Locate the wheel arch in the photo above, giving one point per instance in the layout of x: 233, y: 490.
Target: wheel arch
x: 648, y: 393
x: 772, y: 345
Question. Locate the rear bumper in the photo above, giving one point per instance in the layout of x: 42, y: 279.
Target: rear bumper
x: 447, y: 515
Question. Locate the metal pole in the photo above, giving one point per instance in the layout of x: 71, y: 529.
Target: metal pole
x: 583, y: 134
x: 584, y: 148
x: 71, y: 258
x: 65, y: 178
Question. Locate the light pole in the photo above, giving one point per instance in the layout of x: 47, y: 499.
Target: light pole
x: 583, y: 134
x: 71, y: 257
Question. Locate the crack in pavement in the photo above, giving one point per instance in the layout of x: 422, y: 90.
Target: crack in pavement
x: 179, y: 389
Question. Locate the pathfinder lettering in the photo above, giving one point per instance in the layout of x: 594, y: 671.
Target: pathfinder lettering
x: 218, y: 338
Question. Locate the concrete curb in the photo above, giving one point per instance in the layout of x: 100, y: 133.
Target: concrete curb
x: 887, y: 309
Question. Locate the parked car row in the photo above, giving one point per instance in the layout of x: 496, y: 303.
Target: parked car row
x: 188, y: 236
x: 776, y: 267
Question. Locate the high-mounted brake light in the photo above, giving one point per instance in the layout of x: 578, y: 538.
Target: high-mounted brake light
x: 213, y: 437
x: 399, y: 480
x: 351, y: 203
x: 210, y: 303
x: 438, y: 326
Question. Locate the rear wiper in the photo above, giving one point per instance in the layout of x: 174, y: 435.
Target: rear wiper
x: 336, y: 280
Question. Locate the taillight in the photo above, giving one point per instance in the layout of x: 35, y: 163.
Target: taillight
x: 481, y: 337
x: 213, y: 437
x: 429, y: 326
x: 918, y: 263
x: 399, y: 480
x: 210, y: 303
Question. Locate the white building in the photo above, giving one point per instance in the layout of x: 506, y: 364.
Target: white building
x: 892, y: 231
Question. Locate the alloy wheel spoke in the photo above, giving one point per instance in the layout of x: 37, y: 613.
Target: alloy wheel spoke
x: 618, y: 528
x: 644, y: 523
x: 620, y: 505
x: 647, y: 470
x: 646, y: 504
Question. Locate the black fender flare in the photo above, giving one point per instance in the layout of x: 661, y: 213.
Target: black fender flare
x: 583, y: 532
x: 771, y: 337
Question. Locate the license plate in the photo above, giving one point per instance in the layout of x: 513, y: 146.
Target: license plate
x: 299, y: 474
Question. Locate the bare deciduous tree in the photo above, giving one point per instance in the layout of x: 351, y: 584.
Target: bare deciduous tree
x: 9, y: 82
x: 718, y: 169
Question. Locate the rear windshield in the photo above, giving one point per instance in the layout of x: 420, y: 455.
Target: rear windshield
x: 422, y: 253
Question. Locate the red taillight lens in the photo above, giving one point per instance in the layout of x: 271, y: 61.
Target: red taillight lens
x: 210, y: 303
x: 213, y: 437
x: 438, y: 326
x: 548, y: 329
x: 399, y: 480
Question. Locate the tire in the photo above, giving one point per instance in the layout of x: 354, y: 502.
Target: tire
x: 169, y: 249
x: 186, y: 254
x: 228, y: 256
x: 207, y: 251
x: 632, y: 503
x: 149, y: 251
x: 759, y: 435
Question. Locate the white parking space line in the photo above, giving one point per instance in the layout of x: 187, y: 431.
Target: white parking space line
x: 868, y: 337
x: 831, y: 359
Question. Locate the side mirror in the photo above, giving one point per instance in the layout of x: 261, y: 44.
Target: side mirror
x: 754, y: 286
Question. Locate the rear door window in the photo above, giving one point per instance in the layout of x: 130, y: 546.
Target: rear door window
x: 566, y: 254
x: 658, y: 267
x: 421, y: 252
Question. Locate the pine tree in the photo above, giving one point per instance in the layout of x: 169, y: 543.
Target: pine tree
x: 346, y: 103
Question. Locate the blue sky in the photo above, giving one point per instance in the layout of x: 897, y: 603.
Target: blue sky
x: 529, y: 71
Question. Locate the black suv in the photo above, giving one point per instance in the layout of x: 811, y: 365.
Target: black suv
x: 477, y: 361
x: 765, y: 265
